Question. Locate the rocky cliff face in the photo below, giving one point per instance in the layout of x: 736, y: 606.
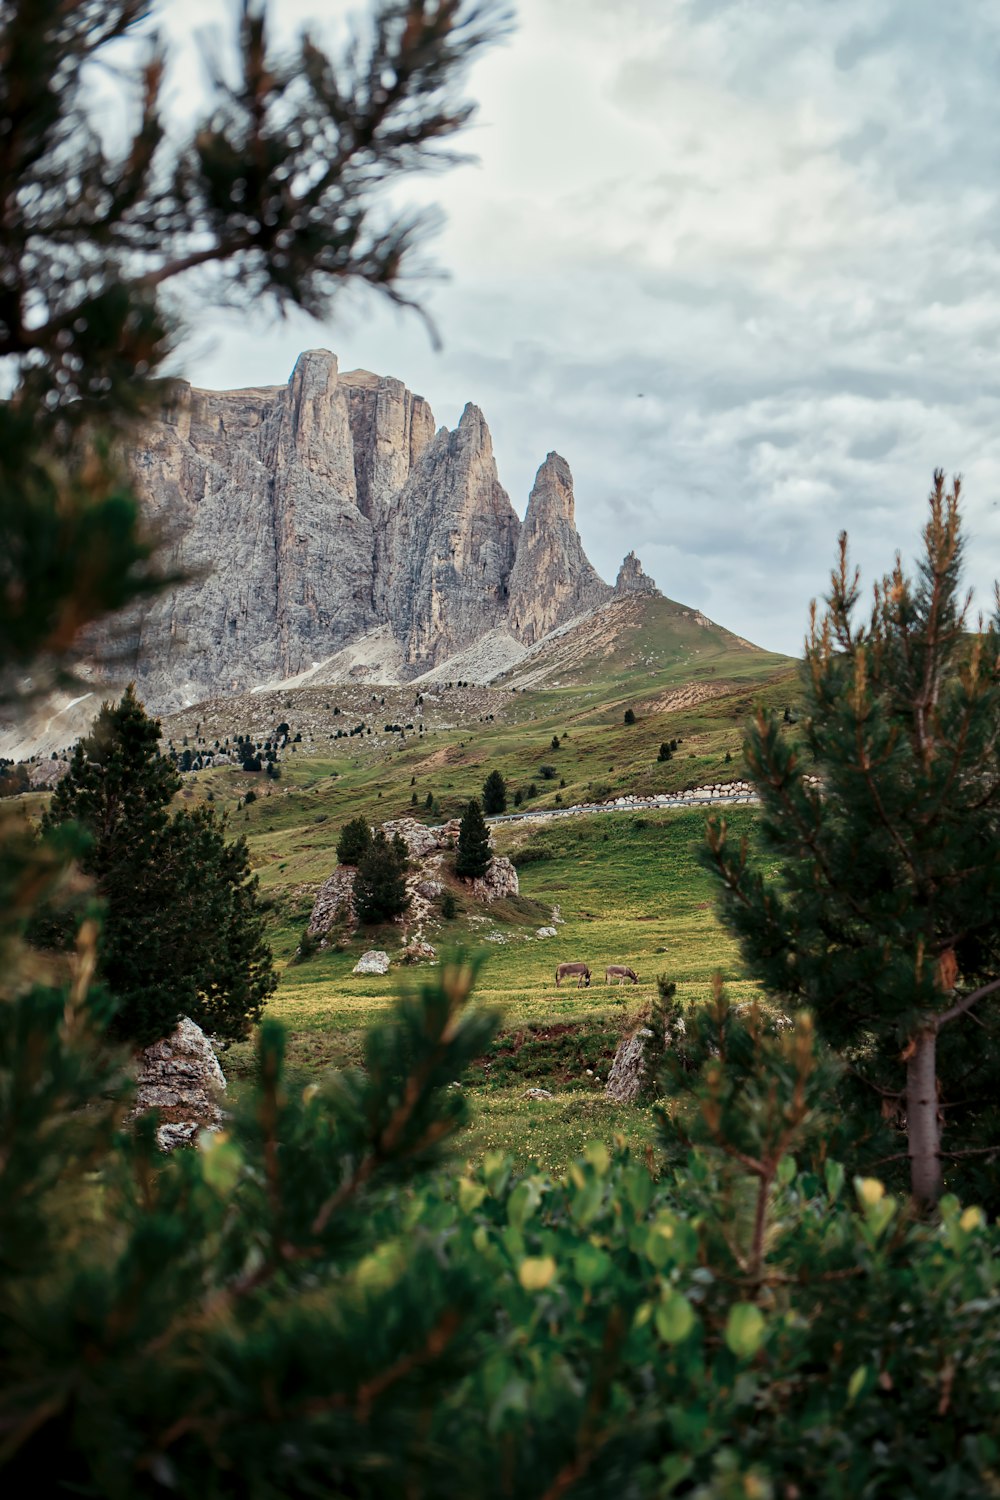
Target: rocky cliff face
x: 552, y: 580
x: 450, y: 544
x: 327, y: 512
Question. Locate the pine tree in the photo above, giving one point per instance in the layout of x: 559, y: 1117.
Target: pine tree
x: 494, y: 794
x: 354, y: 842
x: 474, y: 853
x: 182, y: 926
x: 380, y: 884
x: 874, y: 893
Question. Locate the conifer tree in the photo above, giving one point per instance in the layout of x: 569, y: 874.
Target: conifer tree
x: 474, y: 853
x: 494, y: 794
x: 380, y: 885
x: 874, y: 891
x: 183, y: 933
x: 355, y: 840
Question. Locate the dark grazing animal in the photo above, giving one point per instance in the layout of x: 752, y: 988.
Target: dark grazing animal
x: 579, y: 971
x: 620, y: 972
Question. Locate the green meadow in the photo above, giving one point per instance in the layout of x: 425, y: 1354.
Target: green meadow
x: 619, y: 889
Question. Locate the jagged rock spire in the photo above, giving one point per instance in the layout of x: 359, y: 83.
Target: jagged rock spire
x: 552, y: 579
x: 632, y: 580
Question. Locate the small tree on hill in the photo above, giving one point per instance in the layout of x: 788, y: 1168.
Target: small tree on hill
x: 380, y: 884
x: 494, y: 793
x: 474, y: 853
x: 665, y: 751
x: 875, y: 894
x: 354, y: 842
x: 629, y: 716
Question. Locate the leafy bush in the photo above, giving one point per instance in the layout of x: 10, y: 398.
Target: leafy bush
x: 530, y: 854
x: 629, y: 716
x: 750, y: 1324
x: 308, y: 946
x: 449, y: 906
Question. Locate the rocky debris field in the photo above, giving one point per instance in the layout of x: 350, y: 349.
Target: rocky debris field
x: 312, y: 713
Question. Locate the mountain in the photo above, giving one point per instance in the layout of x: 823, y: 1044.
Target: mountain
x: 327, y: 519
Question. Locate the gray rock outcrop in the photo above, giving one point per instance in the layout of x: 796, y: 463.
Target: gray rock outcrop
x: 627, y: 1074
x: 47, y: 773
x: 552, y: 580
x: 633, y: 580
x: 314, y: 516
x: 500, y: 880
x: 181, y: 1079
x: 334, y: 900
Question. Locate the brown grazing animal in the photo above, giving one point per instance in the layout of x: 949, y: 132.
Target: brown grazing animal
x: 620, y: 972
x: 579, y: 970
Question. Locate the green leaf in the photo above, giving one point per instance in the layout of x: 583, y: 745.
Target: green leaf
x: 523, y: 1201
x: 221, y: 1161
x: 470, y: 1194
x: 586, y: 1202
x: 744, y: 1329
x: 599, y: 1157
x: 639, y: 1189
x: 787, y: 1169
x: 834, y: 1174
x: 675, y: 1318
x: 591, y: 1265
x: 856, y: 1384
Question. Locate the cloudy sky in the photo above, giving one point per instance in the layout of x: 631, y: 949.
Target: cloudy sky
x: 737, y: 260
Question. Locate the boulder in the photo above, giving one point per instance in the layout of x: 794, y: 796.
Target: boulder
x: 500, y: 880
x: 180, y: 1077
x: 372, y: 962
x: 335, y: 898
x: 546, y: 932
x: 627, y: 1074
x: 538, y: 1094
x: 418, y: 952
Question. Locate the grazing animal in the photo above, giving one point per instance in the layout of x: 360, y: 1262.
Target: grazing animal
x: 620, y: 972
x: 578, y: 971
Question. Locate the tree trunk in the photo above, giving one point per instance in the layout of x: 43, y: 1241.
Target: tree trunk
x: 922, y: 1118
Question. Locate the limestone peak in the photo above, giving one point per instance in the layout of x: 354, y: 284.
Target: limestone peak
x: 633, y: 580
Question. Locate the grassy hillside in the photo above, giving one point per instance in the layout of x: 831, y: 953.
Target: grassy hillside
x: 618, y: 888
x: 625, y: 889
x: 628, y: 889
